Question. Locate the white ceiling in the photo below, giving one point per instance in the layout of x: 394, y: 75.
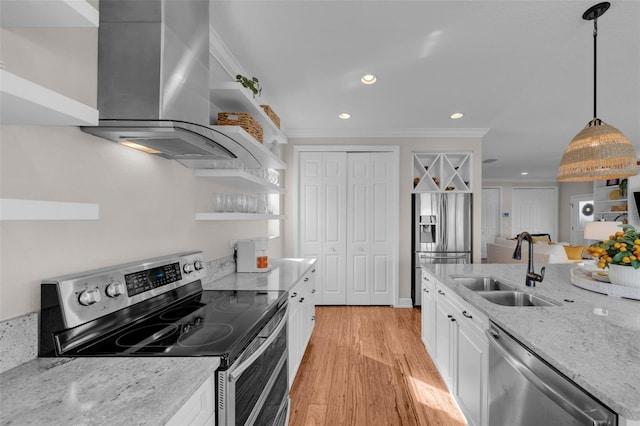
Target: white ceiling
x: 521, y: 69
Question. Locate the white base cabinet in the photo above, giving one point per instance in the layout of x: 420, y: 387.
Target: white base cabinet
x: 453, y: 333
x: 199, y: 410
x: 301, y: 321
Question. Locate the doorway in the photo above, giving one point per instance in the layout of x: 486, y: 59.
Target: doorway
x: 348, y: 220
x: 491, y: 200
x: 582, y: 211
x: 535, y: 210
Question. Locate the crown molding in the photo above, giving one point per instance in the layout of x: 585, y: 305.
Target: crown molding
x: 221, y: 53
x: 387, y: 133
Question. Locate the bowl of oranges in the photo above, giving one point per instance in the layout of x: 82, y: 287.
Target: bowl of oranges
x: 621, y: 255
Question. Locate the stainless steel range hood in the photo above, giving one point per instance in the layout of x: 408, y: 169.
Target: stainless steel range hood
x: 153, y: 81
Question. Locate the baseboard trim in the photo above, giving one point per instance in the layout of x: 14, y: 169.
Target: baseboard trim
x: 405, y: 303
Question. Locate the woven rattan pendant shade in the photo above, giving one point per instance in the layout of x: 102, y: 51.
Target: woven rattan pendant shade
x: 598, y: 152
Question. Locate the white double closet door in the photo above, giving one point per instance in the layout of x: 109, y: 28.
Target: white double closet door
x: 347, y: 206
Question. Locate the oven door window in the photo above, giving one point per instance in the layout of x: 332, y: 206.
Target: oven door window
x: 274, y: 410
x: 250, y: 389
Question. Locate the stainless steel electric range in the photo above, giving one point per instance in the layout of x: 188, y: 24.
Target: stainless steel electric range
x: 157, y: 307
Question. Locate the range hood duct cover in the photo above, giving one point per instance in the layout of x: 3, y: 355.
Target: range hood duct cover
x: 153, y: 80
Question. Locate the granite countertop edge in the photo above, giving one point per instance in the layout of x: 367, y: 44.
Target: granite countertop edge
x: 594, y: 339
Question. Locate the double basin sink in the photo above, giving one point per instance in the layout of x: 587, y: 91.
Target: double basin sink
x: 498, y: 292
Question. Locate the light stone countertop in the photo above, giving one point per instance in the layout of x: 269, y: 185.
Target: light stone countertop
x: 283, y: 275
x: 100, y: 391
x: 122, y: 391
x: 595, y: 341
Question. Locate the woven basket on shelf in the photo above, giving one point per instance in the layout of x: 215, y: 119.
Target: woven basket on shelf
x: 243, y: 120
x: 272, y: 115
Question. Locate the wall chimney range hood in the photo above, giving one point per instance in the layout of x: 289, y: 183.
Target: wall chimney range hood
x: 153, y: 82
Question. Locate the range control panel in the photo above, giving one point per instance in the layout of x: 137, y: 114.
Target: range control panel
x: 90, y: 295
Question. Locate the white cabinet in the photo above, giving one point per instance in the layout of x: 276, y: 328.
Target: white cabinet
x: 199, y: 410
x: 442, y: 172
x: 453, y: 333
x: 301, y: 320
x: 472, y: 372
x: 25, y: 102
x: 444, y: 347
x: 428, y: 312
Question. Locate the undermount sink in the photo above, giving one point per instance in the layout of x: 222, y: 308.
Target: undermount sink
x: 483, y: 284
x: 514, y: 298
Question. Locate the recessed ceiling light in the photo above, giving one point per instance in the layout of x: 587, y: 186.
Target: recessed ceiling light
x: 457, y: 115
x: 368, y: 79
x: 344, y: 116
x: 524, y: 173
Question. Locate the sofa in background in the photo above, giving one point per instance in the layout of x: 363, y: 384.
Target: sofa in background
x: 544, y: 252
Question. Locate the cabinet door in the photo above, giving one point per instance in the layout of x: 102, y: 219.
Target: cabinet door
x: 471, y: 378
x: 428, y: 315
x: 311, y: 304
x: 443, y: 339
x: 322, y: 229
x: 199, y: 410
x: 293, y: 333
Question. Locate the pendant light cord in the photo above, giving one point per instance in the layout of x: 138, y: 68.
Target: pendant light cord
x: 595, y: 61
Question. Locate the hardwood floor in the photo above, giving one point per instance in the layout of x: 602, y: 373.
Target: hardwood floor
x: 367, y: 366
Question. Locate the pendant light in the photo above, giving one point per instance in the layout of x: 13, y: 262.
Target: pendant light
x: 599, y: 151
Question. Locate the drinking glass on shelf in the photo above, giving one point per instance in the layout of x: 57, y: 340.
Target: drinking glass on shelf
x: 252, y: 203
x: 242, y: 203
x: 219, y: 202
x: 229, y: 203
x: 263, y: 203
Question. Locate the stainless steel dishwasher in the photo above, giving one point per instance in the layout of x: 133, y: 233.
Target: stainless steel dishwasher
x: 525, y: 390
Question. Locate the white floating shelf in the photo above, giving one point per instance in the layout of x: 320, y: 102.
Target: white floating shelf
x: 48, y: 13
x: 14, y: 209
x: 27, y: 103
x: 239, y: 179
x: 267, y: 158
x: 237, y: 216
x: 232, y: 97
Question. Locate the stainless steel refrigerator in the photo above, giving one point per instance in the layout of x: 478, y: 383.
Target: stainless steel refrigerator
x: 441, y: 232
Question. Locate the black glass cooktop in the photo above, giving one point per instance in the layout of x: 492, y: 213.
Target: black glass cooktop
x: 210, y: 323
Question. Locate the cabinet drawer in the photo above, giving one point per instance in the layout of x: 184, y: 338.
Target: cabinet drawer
x: 463, y: 309
x: 428, y: 281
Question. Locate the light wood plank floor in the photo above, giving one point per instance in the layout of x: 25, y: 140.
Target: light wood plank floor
x: 368, y: 366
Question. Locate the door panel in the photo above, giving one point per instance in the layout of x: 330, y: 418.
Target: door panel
x: 346, y: 216
x: 490, y: 217
x: 322, y: 220
x: 535, y: 210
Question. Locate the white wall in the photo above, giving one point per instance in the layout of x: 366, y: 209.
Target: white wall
x: 405, y: 181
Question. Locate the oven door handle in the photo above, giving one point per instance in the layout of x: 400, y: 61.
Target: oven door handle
x: 237, y: 372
